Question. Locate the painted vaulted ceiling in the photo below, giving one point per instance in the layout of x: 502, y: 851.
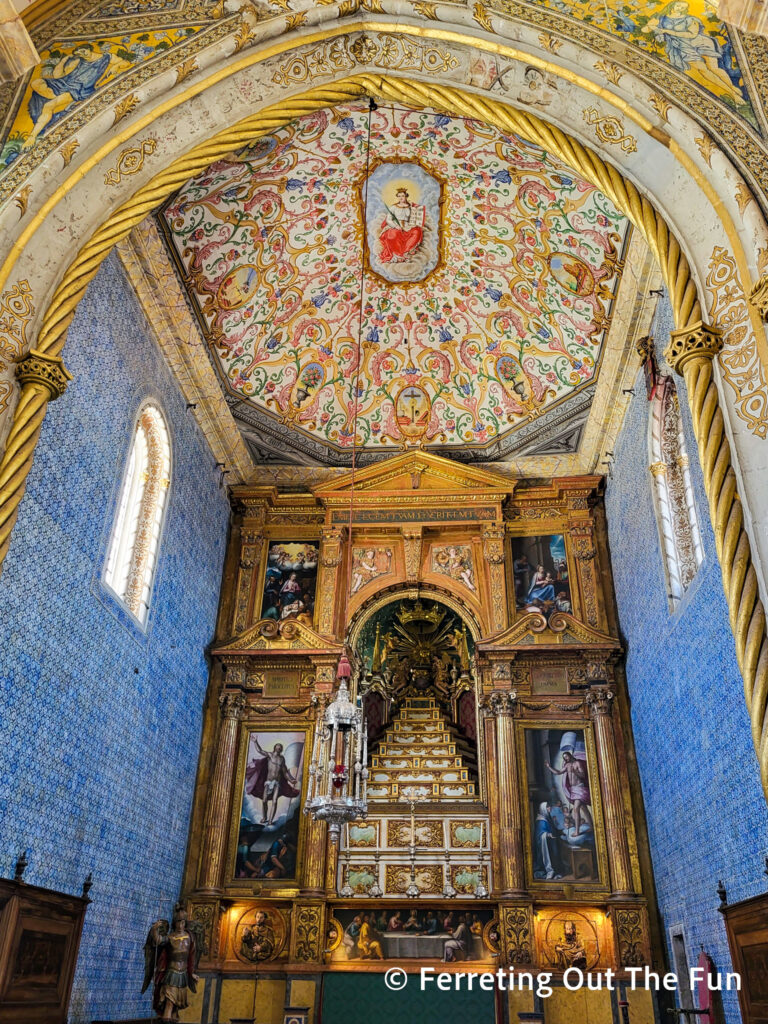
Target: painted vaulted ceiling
x: 409, y: 276
x: 99, y: 56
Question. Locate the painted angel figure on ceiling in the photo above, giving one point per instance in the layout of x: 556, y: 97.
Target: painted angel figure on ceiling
x: 402, y: 229
x: 171, y: 956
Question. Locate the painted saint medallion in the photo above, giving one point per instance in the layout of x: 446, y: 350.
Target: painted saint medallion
x: 402, y: 206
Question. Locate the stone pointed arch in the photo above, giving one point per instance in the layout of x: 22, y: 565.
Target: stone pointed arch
x: 693, y: 348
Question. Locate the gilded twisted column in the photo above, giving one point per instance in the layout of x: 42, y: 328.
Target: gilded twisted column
x: 211, y: 868
x: 691, y: 353
x: 600, y: 701
x: 42, y: 378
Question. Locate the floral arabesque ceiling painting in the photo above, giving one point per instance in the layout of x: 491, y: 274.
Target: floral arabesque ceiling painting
x: 402, y: 277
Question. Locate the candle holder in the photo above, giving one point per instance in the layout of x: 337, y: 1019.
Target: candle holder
x: 374, y: 889
x: 448, y: 890
x: 480, y: 890
x: 346, y: 891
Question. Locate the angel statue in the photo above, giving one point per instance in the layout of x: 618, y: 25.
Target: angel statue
x: 171, y: 956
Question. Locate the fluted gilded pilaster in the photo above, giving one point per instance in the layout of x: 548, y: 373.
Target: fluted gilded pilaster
x: 600, y: 703
x: 509, y: 822
x: 691, y: 353
x: 211, y: 868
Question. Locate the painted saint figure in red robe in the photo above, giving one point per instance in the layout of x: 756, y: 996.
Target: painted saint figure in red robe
x: 402, y: 229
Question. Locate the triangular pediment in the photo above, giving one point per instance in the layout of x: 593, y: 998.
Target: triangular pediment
x: 290, y: 635
x: 416, y: 472
x: 562, y: 630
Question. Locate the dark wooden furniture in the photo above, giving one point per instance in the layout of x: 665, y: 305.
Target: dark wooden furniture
x: 39, y: 939
x: 747, y: 926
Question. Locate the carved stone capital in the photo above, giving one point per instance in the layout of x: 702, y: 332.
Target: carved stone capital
x: 232, y: 705
x: 493, y: 543
x: 499, y: 703
x: 47, y: 371
x: 700, y: 341
x: 599, y: 700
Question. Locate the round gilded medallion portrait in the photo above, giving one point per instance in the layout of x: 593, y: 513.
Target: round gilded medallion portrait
x: 572, y: 273
x: 238, y: 286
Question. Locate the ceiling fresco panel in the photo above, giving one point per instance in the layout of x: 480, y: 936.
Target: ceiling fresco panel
x: 487, y: 272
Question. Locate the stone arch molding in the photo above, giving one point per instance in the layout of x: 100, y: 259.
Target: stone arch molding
x: 602, y: 147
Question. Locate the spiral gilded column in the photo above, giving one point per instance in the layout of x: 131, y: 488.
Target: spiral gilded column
x: 213, y: 853
x: 43, y: 378
x: 691, y: 352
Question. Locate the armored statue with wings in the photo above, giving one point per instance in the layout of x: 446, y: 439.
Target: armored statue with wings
x: 171, y: 956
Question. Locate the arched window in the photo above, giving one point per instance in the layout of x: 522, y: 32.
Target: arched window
x: 673, y: 493
x: 133, y: 549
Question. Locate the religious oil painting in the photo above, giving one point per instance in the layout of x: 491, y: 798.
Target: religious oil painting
x: 270, y: 809
x: 402, y: 932
x: 402, y: 209
x: 542, y: 579
x: 562, y: 805
x: 290, y: 580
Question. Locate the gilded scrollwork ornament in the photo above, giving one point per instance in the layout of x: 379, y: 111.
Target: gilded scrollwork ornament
x: 307, y: 933
x: 516, y: 935
x: 631, y: 937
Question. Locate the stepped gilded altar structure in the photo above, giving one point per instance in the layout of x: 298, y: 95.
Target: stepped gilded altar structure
x: 504, y: 823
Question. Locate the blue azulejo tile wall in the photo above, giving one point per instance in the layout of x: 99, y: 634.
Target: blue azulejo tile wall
x: 100, y: 721
x: 707, y: 817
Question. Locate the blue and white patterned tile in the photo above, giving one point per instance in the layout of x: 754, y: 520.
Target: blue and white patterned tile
x: 101, y: 722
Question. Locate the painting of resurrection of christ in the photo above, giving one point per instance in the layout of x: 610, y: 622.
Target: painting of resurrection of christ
x: 402, y: 221
x: 271, y: 806
x: 561, y: 807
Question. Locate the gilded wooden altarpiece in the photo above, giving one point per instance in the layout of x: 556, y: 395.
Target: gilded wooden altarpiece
x: 468, y: 745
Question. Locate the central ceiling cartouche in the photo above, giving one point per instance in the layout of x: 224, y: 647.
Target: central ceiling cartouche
x: 486, y: 268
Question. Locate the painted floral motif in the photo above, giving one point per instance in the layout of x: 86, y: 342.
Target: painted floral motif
x: 509, y: 323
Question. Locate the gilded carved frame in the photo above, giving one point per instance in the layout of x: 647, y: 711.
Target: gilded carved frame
x: 266, y: 886
x: 586, y: 888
